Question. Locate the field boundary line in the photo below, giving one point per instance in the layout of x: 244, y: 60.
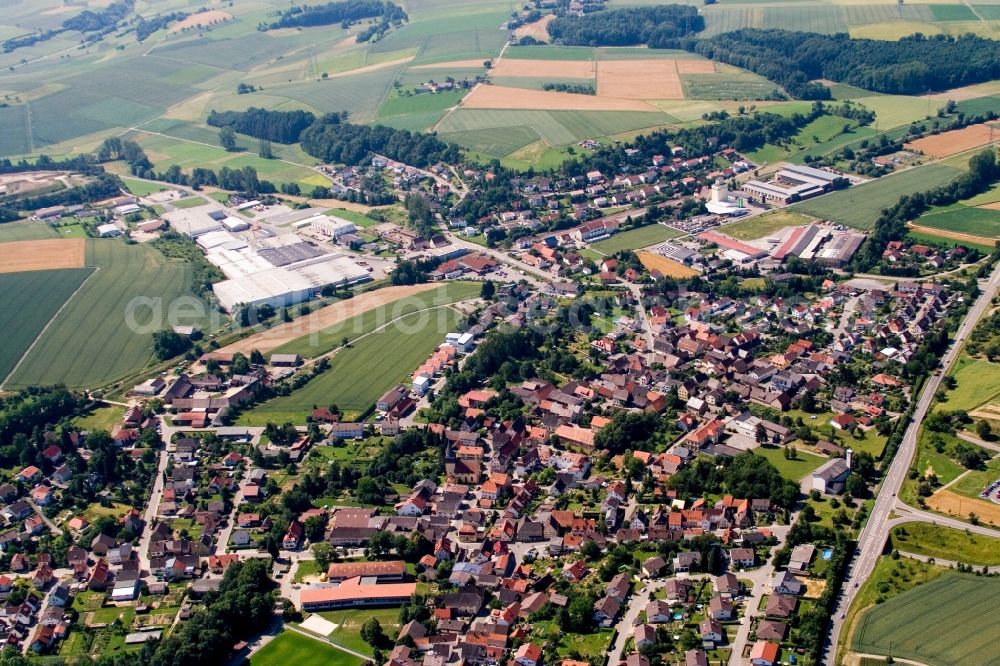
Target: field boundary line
x: 45, y: 328
x: 303, y: 632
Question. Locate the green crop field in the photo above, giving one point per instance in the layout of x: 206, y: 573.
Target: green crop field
x: 735, y: 86
x: 636, y: 238
x: 30, y: 300
x: 976, y: 221
x: 899, y: 110
x: 949, y: 620
x: 944, y: 543
x: 492, y: 142
x: 361, y: 373
x: 90, y: 342
x: 20, y: 231
x: 556, y: 128
x: 858, y: 206
x: 310, y: 346
x: 418, y: 112
x: 294, y: 648
x: 953, y: 13
x: 766, y: 224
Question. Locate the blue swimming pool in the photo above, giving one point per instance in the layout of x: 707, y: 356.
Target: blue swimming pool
x: 827, y: 553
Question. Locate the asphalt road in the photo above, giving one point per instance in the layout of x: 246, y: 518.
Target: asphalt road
x: 871, y: 542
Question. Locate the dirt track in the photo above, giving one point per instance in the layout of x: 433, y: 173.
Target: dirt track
x: 503, y: 97
x: 323, y: 318
x: 40, y: 255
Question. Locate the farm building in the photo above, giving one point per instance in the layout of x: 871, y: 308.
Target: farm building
x: 108, y: 230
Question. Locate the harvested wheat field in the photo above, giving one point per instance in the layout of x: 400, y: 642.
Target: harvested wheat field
x: 668, y: 267
x: 695, y: 66
x: 202, y: 19
x: 538, y: 30
x: 323, y: 318
x: 956, y: 141
x: 503, y: 97
x: 956, y: 235
x: 953, y: 504
x: 41, y: 255
x: 639, y: 79
x: 567, y: 69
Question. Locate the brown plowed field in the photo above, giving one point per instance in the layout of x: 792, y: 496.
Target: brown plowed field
x: 954, y: 235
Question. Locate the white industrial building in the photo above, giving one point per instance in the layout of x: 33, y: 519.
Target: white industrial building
x: 280, y: 271
x: 193, y: 222
x: 331, y: 225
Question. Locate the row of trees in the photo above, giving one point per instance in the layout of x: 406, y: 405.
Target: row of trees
x: 279, y: 126
x: 656, y: 26
x: 333, y: 140
x: 913, y: 65
x: 345, y: 13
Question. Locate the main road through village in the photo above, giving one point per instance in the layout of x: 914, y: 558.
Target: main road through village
x: 871, y: 542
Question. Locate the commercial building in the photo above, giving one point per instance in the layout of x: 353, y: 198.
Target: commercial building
x: 356, y: 592
x: 795, y: 182
x: 331, y: 225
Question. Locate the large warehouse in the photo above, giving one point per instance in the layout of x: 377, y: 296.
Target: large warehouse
x: 280, y: 271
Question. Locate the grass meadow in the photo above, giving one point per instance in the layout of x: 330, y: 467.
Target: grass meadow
x: 766, y: 224
x: 944, y: 543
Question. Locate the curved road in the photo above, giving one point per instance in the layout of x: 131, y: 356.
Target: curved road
x: 871, y: 541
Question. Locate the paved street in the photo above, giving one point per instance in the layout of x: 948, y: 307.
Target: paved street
x: 871, y: 542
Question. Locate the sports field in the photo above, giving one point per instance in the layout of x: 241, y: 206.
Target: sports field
x: 667, y: 267
x: 91, y: 342
x: 858, y: 206
x: 766, y: 224
x: 361, y: 373
x: 950, y: 620
x: 636, y: 238
x: 294, y: 648
x: 30, y: 301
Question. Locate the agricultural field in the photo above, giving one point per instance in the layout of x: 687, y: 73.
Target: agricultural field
x: 636, y: 238
x: 499, y: 132
x: 328, y: 339
x: 668, y: 267
x: 910, y: 626
x: 294, y: 648
x: 361, y: 373
x: 26, y: 231
x: 31, y: 299
x: 981, y: 222
x: 858, y: 206
x: 947, y: 144
x: 766, y: 224
x: 90, y: 342
x: 944, y: 543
